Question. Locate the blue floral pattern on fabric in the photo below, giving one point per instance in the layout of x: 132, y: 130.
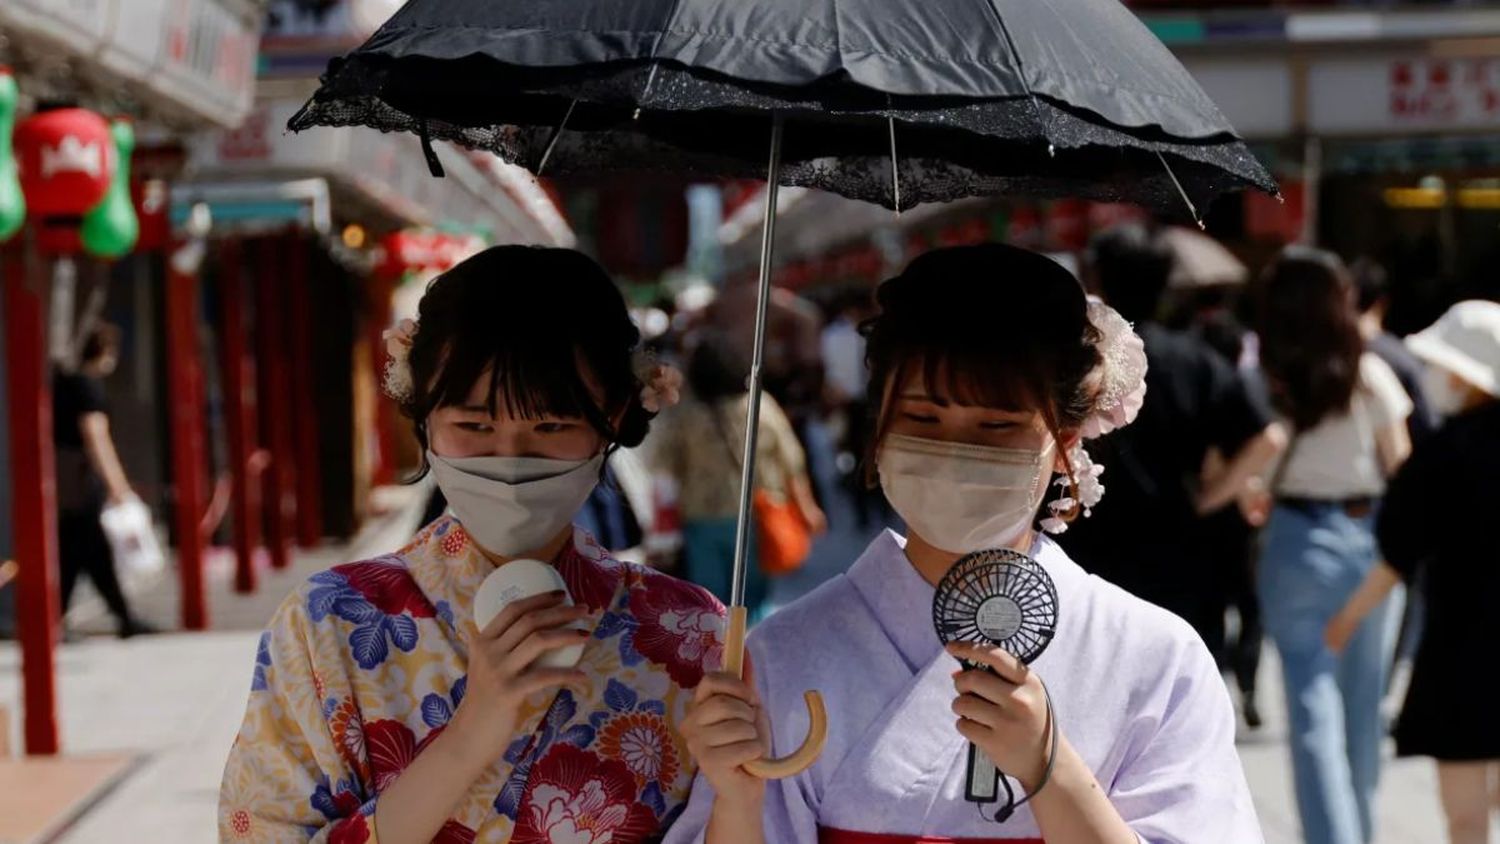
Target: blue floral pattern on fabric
x: 623, y: 625
x: 524, y: 752
x: 374, y: 631
x: 262, y: 662
x: 437, y: 710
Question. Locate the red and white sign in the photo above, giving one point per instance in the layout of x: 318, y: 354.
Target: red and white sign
x: 1391, y: 95
x: 1446, y: 91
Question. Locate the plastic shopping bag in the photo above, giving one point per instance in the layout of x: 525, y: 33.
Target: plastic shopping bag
x: 132, y: 537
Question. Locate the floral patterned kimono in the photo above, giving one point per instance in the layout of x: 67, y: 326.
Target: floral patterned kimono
x: 364, y: 665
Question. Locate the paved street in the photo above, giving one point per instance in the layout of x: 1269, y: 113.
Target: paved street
x: 176, y: 701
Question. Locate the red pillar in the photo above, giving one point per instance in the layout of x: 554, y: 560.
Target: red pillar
x: 33, y: 494
x: 239, y: 415
x: 275, y: 404
x: 185, y: 389
x: 305, y: 417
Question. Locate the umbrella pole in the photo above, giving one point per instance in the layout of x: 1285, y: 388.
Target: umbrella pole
x: 734, y: 642
x: 752, y: 414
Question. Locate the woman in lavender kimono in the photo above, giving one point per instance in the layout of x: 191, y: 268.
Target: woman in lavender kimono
x: 379, y: 710
x: 989, y: 367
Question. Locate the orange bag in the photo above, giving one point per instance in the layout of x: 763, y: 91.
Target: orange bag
x: 782, y: 533
x: 783, y: 538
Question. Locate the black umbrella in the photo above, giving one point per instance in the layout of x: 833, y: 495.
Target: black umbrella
x: 897, y: 103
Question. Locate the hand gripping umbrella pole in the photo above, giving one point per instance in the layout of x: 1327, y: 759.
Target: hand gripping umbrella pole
x: 734, y: 645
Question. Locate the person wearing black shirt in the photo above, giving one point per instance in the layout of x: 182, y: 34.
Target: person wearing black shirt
x: 89, y: 476
x: 1151, y: 540
x: 1436, y: 519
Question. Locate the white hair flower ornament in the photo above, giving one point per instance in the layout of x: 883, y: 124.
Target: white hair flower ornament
x: 397, y: 382
x: 1122, y: 393
x: 661, y: 385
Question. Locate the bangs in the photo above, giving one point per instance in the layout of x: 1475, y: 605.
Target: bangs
x: 530, y: 377
x: 974, y: 377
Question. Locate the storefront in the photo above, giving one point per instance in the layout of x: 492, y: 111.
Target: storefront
x: 151, y: 70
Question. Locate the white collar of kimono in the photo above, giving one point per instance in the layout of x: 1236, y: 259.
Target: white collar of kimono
x: 902, y: 601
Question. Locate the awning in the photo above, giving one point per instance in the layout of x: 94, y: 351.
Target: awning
x: 184, y: 60
x: 383, y: 175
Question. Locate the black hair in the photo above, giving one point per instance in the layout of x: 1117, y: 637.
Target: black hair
x: 989, y: 325
x: 1132, y: 265
x: 716, y: 368
x: 1310, y: 343
x: 103, y: 339
x: 544, y: 324
x: 1370, y: 282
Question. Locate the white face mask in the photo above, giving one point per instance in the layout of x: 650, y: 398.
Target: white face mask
x: 1442, y: 394
x: 511, y: 505
x: 964, y: 498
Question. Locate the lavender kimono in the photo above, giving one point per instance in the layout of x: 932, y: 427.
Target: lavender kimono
x: 1135, y: 692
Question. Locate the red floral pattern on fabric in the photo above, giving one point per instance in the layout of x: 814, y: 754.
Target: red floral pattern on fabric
x: 454, y: 832
x: 575, y: 797
x: 643, y: 741
x: 388, y: 586
x: 681, y: 627
x: 241, y: 823
x: 391, y: 746
x: 454, y: 541
x: 592, y: 583
x: 355, y: 830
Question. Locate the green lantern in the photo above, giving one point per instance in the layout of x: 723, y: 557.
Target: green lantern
x: 110, y: 229
x: 12, y: 201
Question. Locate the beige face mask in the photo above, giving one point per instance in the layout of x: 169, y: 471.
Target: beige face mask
x: 964, y: 498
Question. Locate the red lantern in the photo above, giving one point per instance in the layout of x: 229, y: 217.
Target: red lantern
x: 65, y: 158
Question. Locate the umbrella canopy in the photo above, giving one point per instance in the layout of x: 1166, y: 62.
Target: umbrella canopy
x: 912, y: 102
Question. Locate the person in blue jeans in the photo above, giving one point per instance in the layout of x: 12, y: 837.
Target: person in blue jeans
x: 1348, y: 414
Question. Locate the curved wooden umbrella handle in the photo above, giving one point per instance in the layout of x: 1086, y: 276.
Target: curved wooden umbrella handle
x: 817, y: 732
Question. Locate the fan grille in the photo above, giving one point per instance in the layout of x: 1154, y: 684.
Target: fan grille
x: 998, y: 597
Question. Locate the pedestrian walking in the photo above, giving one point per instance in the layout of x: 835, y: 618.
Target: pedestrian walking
x: 1436, y: 518
x: 700, y: 445
x: 90, y: 477
x: 1150, y: 541
x: 1231, y: 535
x: 1348, y: 415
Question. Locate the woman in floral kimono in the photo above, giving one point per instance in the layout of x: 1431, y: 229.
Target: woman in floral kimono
x: 989, y: 367
x: 378, y: 710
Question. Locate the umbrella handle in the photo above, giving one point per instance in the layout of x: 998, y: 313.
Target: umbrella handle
x: 817, y: 732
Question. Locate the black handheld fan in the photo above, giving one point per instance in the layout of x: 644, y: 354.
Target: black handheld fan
x: 1003, y: 598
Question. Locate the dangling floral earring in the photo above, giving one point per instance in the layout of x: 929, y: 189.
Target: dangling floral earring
x: 1084, y: 491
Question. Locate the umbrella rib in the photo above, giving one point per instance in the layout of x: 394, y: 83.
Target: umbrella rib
x: 1021, y: 74
x: 895, y: 168
x: 556, y: 136
x: 1193, y: 209
x: 655, y: 48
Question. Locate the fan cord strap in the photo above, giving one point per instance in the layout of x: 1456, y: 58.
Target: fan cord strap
x: 1011, y: 804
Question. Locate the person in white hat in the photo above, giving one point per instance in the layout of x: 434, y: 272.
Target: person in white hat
x: 1437, y: 514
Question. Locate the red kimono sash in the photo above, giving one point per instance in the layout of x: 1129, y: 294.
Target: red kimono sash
x: 841, y: 836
